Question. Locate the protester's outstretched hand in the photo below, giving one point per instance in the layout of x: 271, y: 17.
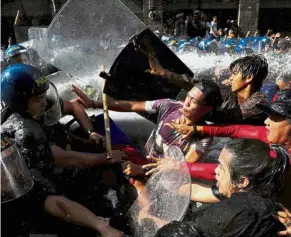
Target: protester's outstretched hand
x: 156, y: 68
x: 182, y: 119
x: 117, y: 156
x: 132, y: 169
x: 284, y: 217
x: 160, y: 164
x: 185, y: 130
x: 111, y: 232
x: 83, y: 99
x: 97, y: 139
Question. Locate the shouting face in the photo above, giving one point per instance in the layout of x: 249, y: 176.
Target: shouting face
x: 192, y: 103
x: 278, y: 129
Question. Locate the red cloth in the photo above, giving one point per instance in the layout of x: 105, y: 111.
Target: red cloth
x: 207, y: 171
x: 202, y: 170
x: 132, y: 154
x: 275, y: 97
x: 237, y: 131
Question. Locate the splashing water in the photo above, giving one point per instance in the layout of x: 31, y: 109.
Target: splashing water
x: 206, y: 63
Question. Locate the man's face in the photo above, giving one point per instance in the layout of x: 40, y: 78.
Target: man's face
x: 237, y: 81
x: 192, y: 103
x: 278, y: 129
x: 224, y: 183
x: 283, y: 84
x: 37, y: 105
x: 19, y: 58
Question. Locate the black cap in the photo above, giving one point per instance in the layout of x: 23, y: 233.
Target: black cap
x: 282, y: 106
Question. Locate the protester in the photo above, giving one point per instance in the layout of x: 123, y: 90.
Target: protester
x: 200, y: 99
x: 277, y: 131
x: 231, y: 34
x: 189, y: 24
x: 221, y: 36
x: 283, y: 82
x: 213, y: 28
x: 249, y: 180
x: 239, y: 101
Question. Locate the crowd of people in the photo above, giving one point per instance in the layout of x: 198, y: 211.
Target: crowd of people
x: 200, y: 28
x: 251, y: 176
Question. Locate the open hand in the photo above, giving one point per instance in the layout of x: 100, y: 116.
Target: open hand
x: 132, y: 169
x: 284, y: 217
x: 156, y: 68
x: 83, y: 99
x: 186, y: 131
x: 160, y: 164
x: 111, y: 232
x: 97, y: 139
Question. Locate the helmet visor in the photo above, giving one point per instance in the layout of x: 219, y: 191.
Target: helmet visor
x: 53, y: 112
x: 19, y: 58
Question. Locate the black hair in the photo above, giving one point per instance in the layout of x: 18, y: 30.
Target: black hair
x: 251, y: 159
x: 285, y: 76
x: 211, y: 92
x: 177, y: 229
x: 252, y: 65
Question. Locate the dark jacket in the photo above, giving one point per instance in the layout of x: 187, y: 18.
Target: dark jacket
x: 230, y: 111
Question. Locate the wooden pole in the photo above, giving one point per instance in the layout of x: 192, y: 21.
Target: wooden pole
x: 106, y: 119
x: 16, y: 21
x: 248, y: 33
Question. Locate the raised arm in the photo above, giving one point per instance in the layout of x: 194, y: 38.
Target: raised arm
x: 122, y: 106
x: 181, y: 80
x: 115, y: 105
x: 234, y: 131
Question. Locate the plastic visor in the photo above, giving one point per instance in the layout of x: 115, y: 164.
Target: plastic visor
x: 53, y: 113
x: 21, y: 57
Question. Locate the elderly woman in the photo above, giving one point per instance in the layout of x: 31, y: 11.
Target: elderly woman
x: 247, y: 180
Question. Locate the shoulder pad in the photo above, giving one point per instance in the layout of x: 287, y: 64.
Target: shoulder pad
x: 27, y: 132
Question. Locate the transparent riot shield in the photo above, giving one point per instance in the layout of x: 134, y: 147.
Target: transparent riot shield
x: 15, y: 176
x: 64, y: 83
x: 37, y: 46
x: 37, y: 37
x: 165, y: 197
x: 89, y: 33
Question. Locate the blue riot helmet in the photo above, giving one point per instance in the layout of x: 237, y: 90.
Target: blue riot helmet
x: 20, y: 82
x: 201, y: 45
x: 16, y: 53
x: 256, y: 42
x: 269, y: 90
x: 241, y: 45
x: 230, y: 42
